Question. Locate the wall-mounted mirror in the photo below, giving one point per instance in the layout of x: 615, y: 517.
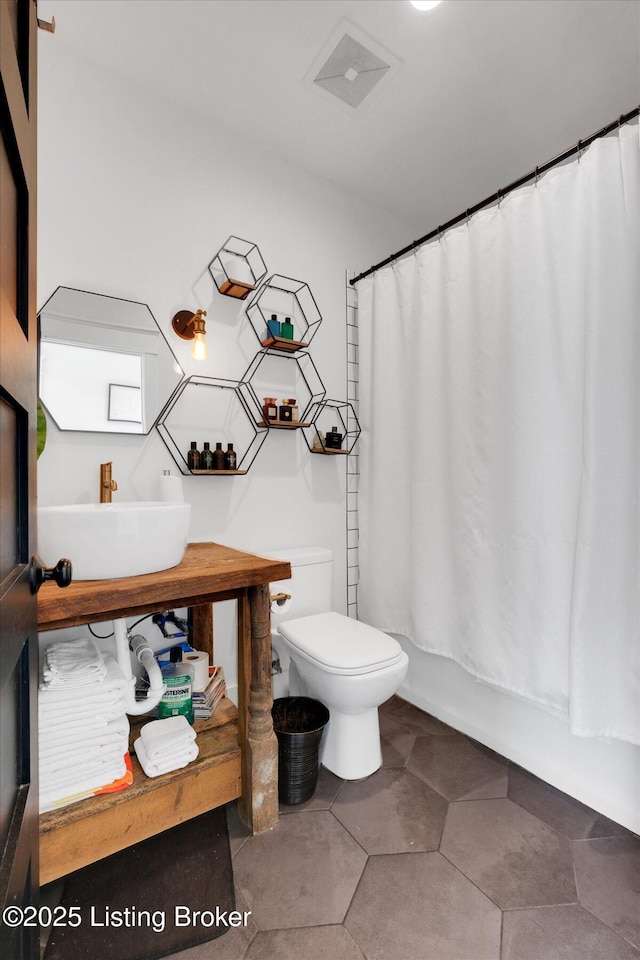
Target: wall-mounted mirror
x: 105, y: 365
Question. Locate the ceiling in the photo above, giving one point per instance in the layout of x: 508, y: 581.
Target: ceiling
x: 485, y: 91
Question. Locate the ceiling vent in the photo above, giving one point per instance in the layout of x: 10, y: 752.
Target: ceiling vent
x: 350, y: 66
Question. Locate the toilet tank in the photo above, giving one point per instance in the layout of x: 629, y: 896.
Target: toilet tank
x: 309, y: 586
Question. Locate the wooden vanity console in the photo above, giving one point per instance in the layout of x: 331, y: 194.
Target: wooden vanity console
x: 238, y: 748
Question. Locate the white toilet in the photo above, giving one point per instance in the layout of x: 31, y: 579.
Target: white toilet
x: 350, y: 667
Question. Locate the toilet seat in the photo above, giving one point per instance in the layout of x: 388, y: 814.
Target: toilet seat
x: 341, y: 645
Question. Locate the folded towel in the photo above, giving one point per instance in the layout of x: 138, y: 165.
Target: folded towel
x: 72, y: 663
x: 161, y: 736
x: 113, y: 684
x: 81, y: 754
x: 99, y: 772
x: 158, y: 767
x: 71, y: 734
x: 82, y: 784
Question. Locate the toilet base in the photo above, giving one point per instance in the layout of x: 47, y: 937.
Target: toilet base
x: 351, y: 744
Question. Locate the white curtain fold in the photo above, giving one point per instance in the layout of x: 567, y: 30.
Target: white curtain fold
x: 500, y: 454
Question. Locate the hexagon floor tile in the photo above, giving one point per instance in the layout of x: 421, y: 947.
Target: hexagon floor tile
x: 417, y: 905
x: 392, y: 811
x: 608, y: 880
x: 458, y: 768
x: 306, y: 943
x: 412, y: 719
x: 563, y: 933
x: 301, y: 873
x: 560, y: 811
x: 395, y: 741
x: 513, y: 857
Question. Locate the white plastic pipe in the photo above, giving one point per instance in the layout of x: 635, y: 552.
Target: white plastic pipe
x: 145, y: 655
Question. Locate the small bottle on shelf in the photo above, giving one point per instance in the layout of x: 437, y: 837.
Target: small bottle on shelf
x: 286, y: 329
x: 333, y: 439
x: 294, y: 409
x: 218, y: 457
x: 206, y: 458
x: 269, y: 408
x: 285, y: 412
x: 273, y: 326
x: 193, y: 457
x: 230, y: 458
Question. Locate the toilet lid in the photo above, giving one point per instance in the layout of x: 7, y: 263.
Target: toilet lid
x: 341, y: 644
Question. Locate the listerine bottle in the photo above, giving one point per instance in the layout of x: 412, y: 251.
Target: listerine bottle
x: 177, y: 700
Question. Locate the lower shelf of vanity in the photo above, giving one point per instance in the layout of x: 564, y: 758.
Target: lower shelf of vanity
x: 81, y: 833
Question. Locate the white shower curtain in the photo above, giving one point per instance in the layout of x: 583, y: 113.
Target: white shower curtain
x: 500, y: 455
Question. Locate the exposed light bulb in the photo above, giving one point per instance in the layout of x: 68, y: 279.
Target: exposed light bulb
x: 199, y: 349
x: 424, y: 4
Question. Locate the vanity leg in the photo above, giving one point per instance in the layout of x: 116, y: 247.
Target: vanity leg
x: 259, y: 802
x: 201, y: 621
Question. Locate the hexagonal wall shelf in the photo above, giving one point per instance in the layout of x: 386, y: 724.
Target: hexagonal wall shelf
x: 237, y: 268
x: 334, y: 427
x: 273, y: 376
x: 213, y: 410
x: 280, y: 304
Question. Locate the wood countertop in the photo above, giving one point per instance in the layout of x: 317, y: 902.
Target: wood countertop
x: 208, y: 571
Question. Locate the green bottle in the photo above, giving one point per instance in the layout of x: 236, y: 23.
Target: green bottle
x: 177, y: 700
x: 286, y: 329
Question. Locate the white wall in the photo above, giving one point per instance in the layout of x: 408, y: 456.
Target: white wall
x: 135, y: 198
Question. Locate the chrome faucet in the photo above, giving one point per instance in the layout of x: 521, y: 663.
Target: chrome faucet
x: 107, y: 483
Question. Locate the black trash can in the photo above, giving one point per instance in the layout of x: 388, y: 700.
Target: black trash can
x: 298, y: 723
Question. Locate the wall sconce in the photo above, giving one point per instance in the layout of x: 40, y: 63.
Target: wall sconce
x: 190, y: 326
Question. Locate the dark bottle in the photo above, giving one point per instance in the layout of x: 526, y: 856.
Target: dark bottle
x: 230, y: 458
x: 218, y: 457
x: 333, y: 439
x: 286, y: 413
x: 206, y: 458
x: 193, y: 457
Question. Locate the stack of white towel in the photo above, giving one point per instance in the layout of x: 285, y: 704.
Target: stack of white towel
x: 166, y: 745
x: 83, y: 731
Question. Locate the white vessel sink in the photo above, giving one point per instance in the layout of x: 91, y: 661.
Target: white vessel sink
x: 107, y: 540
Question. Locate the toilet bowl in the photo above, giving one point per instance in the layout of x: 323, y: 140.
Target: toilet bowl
x: 351, y: 668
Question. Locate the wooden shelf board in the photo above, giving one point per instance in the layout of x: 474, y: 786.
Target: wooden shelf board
x: 283, y: 424
x: 218, y: 473
x: 71, y: 836
x: 330, y: 451
x: 282, y: 343
x: 239, y: 289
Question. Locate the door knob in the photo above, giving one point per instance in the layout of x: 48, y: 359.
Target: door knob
x: 38, y: 573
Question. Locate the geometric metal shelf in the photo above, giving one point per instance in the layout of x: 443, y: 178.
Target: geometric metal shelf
x: 237, y: 268
x: 270, y: 373
x: 326, y: 414
x: 286, y: 298
x: 215, y: 410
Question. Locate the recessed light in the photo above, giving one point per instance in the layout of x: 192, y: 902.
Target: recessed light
x: 351, y: 74
x: 424, y: 4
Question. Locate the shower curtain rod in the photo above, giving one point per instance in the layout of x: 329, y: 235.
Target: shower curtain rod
x: 500, y: 194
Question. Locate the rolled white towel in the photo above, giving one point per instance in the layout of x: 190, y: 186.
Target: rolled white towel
x: 72, y: 663
x: 165, y: 765
x: 103, y: 690
x: 162, y: 736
